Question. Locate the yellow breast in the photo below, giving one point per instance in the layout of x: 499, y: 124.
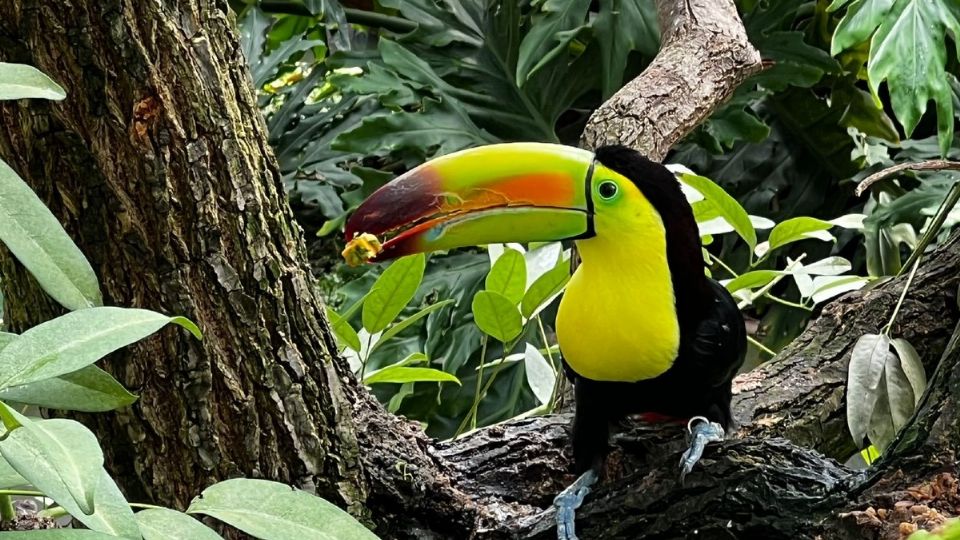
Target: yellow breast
x: 617, y: 319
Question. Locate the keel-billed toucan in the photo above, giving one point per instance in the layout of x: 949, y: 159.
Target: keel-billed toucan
x: 641, y: 328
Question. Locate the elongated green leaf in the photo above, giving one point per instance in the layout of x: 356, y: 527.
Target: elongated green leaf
x: 827, y: 287
x: 403, y: 374
x: 57, y: 534
x: 752, y: 280
x: 496, y: 316
x: 911, y: 366
x: 6, y: 338
x: 829, y: 266
x: 165, y: 524
x: 550, y: 33
x: 77, y: 339
x: 726, y: 206
x: 796, y: 229
x: 19, y: 81
x: 899, y: 393
x: 864, y: 375
x: 545, y: 288
x: 508, y: 276
x: 9, y: 477
x: 406, y: 323
x: 89, y: 389
x: 71, y: 450
x: 345, y: 334
x: 38, y: 241
x: 540, y: 375
x: 392, y: 291
x: 881, y: 430
x: 274, y: 511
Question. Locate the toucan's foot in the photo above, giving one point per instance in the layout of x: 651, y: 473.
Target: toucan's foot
x: 568, y: 501
x: 702, y: 432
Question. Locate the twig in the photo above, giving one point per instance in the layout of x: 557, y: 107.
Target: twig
x: 931, y: 165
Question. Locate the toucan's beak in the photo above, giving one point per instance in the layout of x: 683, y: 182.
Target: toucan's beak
x: 514, y: 192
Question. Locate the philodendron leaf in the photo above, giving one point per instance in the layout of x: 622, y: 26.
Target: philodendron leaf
x: 19, y: 81
x: 274, y: 511
x: 496, y: 316
x: 77, y: 339
x: 540, y: 375
x: 89, y: 389
x: 404, y: 374
x: 392, y: 291
x: 37, y: 240
x: 166, y: 524
x: 508, y: 276
x: 70, y: 449
x: 864, y: 375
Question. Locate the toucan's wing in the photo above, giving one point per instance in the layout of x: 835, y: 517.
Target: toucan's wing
x: 718, y: 345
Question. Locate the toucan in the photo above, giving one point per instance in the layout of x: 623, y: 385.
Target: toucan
x: 642, y: 328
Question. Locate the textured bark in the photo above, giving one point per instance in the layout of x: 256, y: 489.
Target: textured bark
x: 158, y: 165
x: 704, y: 56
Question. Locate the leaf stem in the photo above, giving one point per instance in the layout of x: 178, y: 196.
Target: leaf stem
x: 945, y: 208
x: 7, y: 512
x: 786, y: 302
x: 557, y: 376
x: 903, y: 294
x: 471, y: 416
x: 363, y: 362
x: 724, y: 266
x: 761, y: 346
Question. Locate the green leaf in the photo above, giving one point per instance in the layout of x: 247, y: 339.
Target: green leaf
x: 274, y: 511
x: 622, y: 26
x: 508, y: 276
x: 441, y: 128
x: 726, y: 206
x: 166, y: 524
x: 540, y: 375
x: 9, y: 477
x: 403, y: 374
x: 752, y: 280
x: 38, y: 241
x: 864, y: 375
x: 57, y: 534
x: 77, y: 339
x: 911, y: 366
x: 551, y: 31
x: 881, y: 430
x: 829, y: 266
x: 19, y: 81
x: 796, y: 229
x: 496, y: 316
x: 545, y: 288
x: 6, y: 338
x: 89, y: 389
x: 908, y: 51
x: 392, y: 291
x: 406, y: 323
x: 795, y: 62
x: 70, y: 452
x: 899, y: 393
x: 826, y: 287
x: 345, y: 334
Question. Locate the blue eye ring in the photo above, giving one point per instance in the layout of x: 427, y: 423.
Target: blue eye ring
x: 608, y: 189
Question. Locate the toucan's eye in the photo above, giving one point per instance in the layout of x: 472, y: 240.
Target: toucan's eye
x: 607, y: 190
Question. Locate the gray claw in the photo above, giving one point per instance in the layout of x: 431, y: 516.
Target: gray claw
x: 702, y: 433
x: 568, y: 501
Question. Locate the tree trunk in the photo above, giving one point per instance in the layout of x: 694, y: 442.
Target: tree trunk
x: 157, y: 163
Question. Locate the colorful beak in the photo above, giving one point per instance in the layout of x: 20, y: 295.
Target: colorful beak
x: 514, y: 192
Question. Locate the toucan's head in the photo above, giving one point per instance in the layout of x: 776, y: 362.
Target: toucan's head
x: 518, y: 192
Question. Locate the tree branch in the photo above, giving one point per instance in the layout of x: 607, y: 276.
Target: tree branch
x: 931, y: 165
x: 704, y: 56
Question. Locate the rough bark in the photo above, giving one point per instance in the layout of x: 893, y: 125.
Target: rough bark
x: 704, y: 56
x: 158, y: 165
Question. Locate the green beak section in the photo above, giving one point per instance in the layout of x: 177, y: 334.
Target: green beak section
x: 514, y: 192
